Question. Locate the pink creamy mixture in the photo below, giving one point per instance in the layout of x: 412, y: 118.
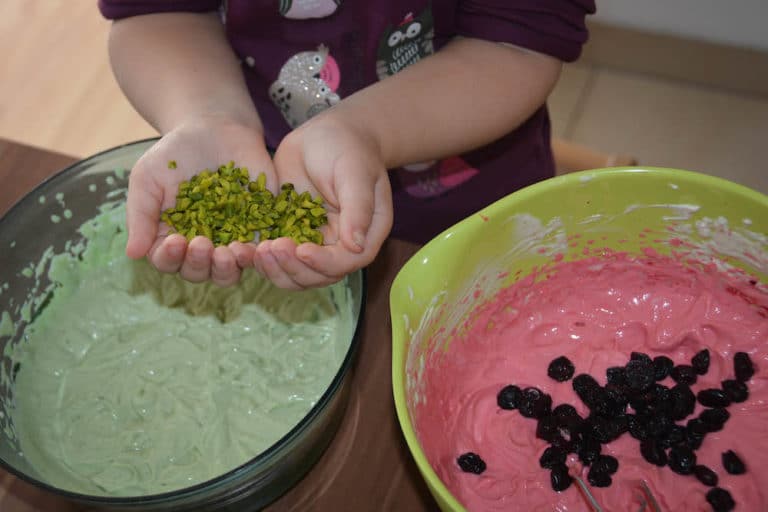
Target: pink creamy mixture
x: 595, y: 312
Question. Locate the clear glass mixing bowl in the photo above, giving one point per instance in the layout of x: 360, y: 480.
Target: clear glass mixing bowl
x: 26, y: 231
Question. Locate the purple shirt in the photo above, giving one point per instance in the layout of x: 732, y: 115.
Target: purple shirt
x: 302, y: 56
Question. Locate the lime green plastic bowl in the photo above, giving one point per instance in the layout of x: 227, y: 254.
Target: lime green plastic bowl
x: 624, y: 209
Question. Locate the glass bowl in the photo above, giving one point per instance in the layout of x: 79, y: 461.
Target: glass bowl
x: 33, y: 226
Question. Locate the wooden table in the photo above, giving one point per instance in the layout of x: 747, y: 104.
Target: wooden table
x: 367, y: 466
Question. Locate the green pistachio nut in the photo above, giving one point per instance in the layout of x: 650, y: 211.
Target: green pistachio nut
x: 224, y: 205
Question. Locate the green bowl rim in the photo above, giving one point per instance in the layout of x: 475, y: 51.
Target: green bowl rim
x: 437, y: 486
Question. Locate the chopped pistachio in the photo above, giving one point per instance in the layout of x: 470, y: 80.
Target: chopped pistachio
x: 224, y: 205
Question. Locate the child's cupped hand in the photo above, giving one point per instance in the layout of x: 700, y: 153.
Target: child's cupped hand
x: 197, y: 144
x: 343, y: 164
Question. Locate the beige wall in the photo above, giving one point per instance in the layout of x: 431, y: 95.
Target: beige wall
x: 734, y: 22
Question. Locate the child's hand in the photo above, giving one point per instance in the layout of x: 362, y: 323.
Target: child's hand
x: 194, y: 145
x: 343, y: 164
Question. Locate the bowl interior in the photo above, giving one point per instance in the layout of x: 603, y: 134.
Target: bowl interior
x: 568, y: 217
x: 46, y: 221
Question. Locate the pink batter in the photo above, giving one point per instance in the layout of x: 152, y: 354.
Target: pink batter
x: 595, y: 312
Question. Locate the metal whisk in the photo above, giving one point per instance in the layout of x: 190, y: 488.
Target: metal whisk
x: 649, y: 503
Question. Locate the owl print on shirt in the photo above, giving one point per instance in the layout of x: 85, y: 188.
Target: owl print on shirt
x: 399, y: 47
x: 305, y: 9
x: 306, y: 85
x: 405, y: 44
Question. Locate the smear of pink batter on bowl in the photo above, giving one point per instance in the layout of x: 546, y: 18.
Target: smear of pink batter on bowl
x: 596, y: 312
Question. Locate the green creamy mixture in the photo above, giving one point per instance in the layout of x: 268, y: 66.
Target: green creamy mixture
x: 133, y: 382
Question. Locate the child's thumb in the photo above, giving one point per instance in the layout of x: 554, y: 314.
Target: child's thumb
x: 356, y: 206
x: 142, y: 215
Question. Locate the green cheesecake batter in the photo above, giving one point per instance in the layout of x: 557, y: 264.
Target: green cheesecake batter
x: 133, y: 382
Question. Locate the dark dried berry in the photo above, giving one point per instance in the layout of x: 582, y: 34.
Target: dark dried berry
x: 561, y: 443
x: 589, y: 450
x: 552, y: 457
x: 713, y: 397
x: 662, y: 366
x: 563, y: 411
x: 584, y: 381
x: 682, y: 460
x: 638, y: 427
x: 535, y: 403
x: 662, y: 400
x: 695, y: 430
x: 602, y: 404
x: 547, y: 428
x: 560, y: 478
x: 598, y: 402
x: 509, y: 397
x: 471, y: 463
x: 642, y: 401
x: 574, y: 442
x: 587, y: 388
x: 742, y: 364
x: 599, y: 478
x: 705, y: 475
x: 602, y: 428
x: 567, y: 416
x: 661, y: 393
x: 640, y: 374
x: 697, y: 427
x: 684, y: 374
x: 616, y: 375
x: 693, y: 442
x: 616, y: 398
x: 658, y: 425
x: 714, y: 419
x: 733, y: 464
x: 682, y: 402
x: 674, y: 436
x: 736, y: 390
x: 660, y: 408
x: 700, y: 362
x: 639, y: 356
x: 606, y: 464
x: 620, y: 423
x: 721, y: 500
x: 653, y: 452
x: 561, y: 369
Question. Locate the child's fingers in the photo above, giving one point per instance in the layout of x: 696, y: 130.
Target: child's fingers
x: 243, y: 253
x: 355, y: 193
x: 198, y: 260
x: 167, y: 254
x: 331, y: 261
x: 284, y: 252
x: 276, y: 260
x: 270, y: 268
x: 336, y: 260
x: 142, y: 213
x: 224, y: 269
x: 381, y: 223
x: 290, y: 168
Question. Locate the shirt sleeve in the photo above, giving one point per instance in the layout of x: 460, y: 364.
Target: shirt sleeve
x: 553, y: 27
x: 116, y: 9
